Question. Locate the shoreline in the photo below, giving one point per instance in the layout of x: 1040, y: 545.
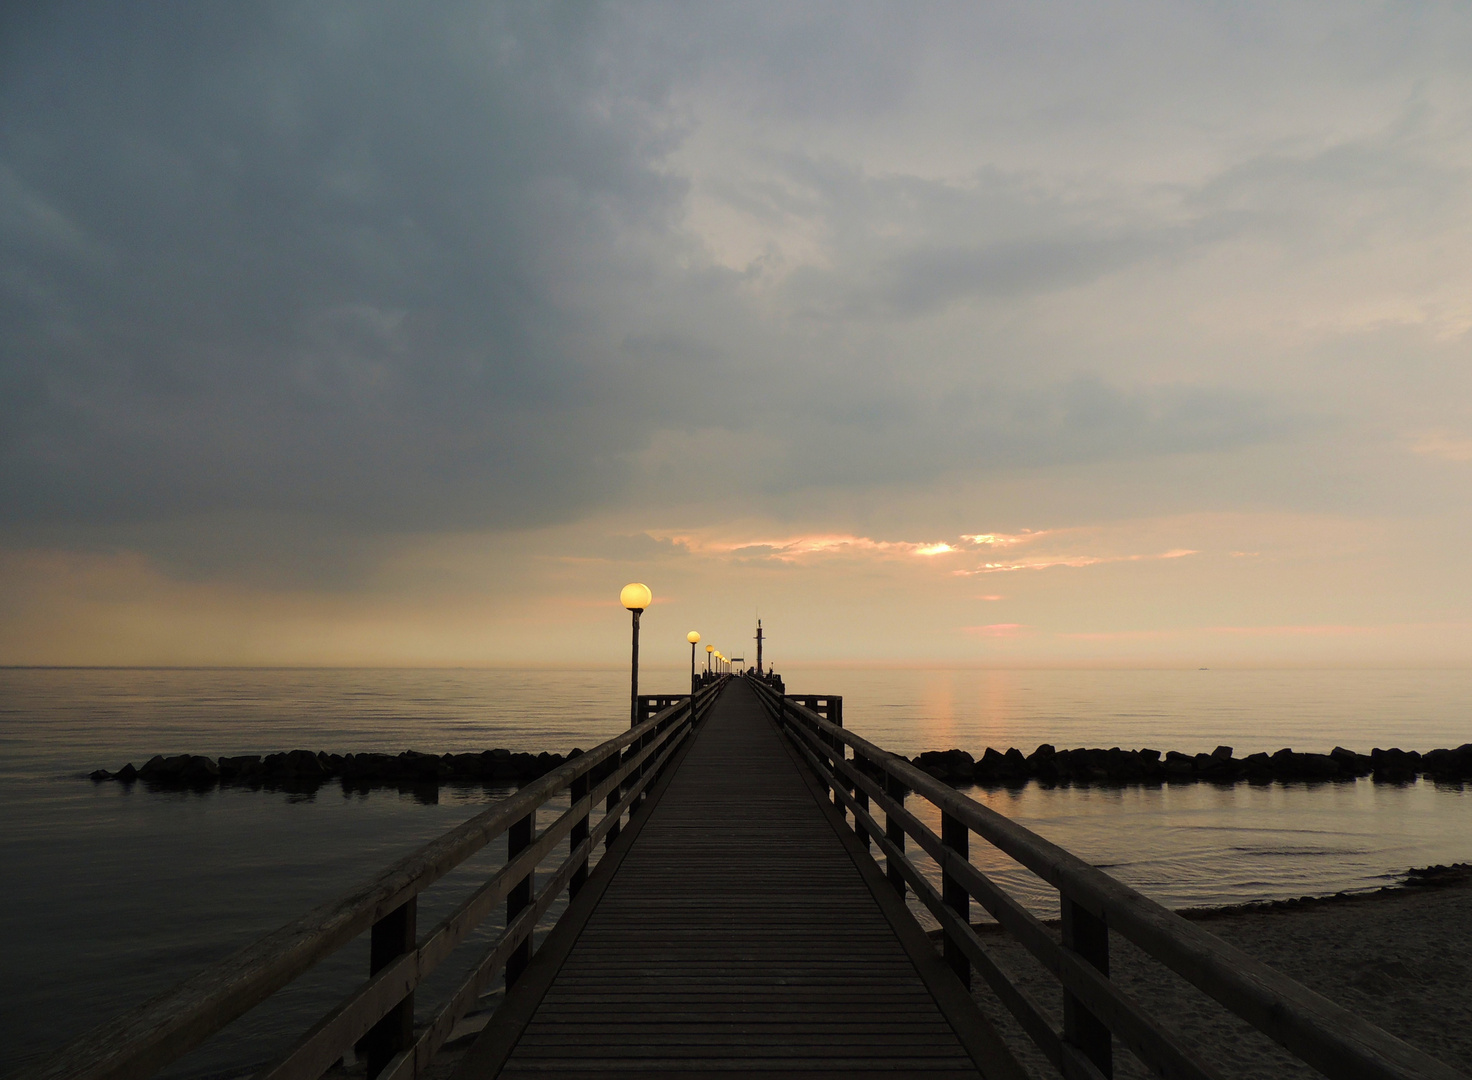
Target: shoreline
x: 1399, y: 956
x: 1416, y: 880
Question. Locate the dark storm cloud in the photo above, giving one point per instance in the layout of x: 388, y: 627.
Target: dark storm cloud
x: 420, y: 268
x: 329, y: 261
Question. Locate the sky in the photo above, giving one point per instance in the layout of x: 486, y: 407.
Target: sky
x: 994, y: 334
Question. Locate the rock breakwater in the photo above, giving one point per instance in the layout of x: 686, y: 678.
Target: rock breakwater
x: 307, y: 769
x: 1048, y: 765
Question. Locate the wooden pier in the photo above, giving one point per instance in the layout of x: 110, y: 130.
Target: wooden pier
x: 738, y: 924
x: 740, y: 930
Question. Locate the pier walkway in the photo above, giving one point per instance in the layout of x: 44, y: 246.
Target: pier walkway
x: 739, y: 935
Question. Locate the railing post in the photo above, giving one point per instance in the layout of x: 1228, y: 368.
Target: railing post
x: 955, y: 835
x: 862, y: 798
x: 637, y: 774
x: 518, y: 839
x: 1088, y: 936
x: 894, y: 832
x: 610, y: 805
x: 392, y: 936
x: 578, y: 791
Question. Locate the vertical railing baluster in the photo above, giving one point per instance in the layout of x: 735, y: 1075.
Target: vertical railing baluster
x: 894, y: 832
x: 392, y: 936
x: 1087, y: 935
x: 577, y: 792
x: 957, y: 837
x: 518, y: 839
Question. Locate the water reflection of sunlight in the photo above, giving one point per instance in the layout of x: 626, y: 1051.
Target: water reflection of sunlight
x: 938, y: 708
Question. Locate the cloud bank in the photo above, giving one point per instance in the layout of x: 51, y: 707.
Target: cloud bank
x: 287, y: 288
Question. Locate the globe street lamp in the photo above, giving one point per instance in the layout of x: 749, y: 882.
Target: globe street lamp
x: 708, y: 650
x: 693, y: 637
x: 636, y: 597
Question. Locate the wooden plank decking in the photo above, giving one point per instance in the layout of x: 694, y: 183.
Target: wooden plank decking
x: 738, y: 935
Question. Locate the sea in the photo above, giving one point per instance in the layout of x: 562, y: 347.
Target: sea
x: 111, y: 894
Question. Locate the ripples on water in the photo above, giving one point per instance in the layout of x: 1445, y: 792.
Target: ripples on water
x: 110, y: 895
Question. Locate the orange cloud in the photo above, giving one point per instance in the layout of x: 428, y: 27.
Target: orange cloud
x: 1048, y: 563
x: 789, y: 548
x: 1005, y: 629
x: 991, y: 540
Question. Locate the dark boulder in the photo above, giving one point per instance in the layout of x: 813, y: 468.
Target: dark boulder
x: 1258, y: 767
x: 991, y: 767
x: 1178, y: 766
x: 200, y: 772
x: 1043, y: 763
x: 1395, y: 765
x: 470, y: 766
x: 239, y: 768
x: 1350, y: 763
x: 1290, y: 765
x: 502, y: 767
x: 952, y: 766
x: 1219, y: 769
x: 164, y: 771
x: 300, y: 765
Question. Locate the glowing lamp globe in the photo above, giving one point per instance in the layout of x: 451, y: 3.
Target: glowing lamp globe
x: 693, y: 636
x: 635, y: 596
x: 710, y: 648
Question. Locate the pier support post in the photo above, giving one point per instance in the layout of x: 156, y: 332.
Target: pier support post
x: 518, y: 839
x: 862, y: 798
x: 392, y: 936
x: 1088, y: 936
x: 955, y: 835
x: 894, y: 832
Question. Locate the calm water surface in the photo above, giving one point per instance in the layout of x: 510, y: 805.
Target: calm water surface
x: 110, y: 895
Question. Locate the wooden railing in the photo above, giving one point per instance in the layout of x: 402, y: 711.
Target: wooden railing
x: 652, y: 704
x: 378, y: 1017
x: 1095, y: 1010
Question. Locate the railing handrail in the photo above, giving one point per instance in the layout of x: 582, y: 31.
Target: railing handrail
x: 1325, y: 1035
x: 143, y: 1039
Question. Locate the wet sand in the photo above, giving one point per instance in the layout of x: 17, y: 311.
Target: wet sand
x: 1400, y: 957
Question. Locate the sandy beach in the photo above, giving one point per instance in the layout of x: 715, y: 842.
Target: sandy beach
x: 1400, y: 957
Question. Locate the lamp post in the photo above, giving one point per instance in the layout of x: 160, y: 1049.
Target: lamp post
x: 693, y: 637
x: 636, y: 597
x: 708, y: 650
